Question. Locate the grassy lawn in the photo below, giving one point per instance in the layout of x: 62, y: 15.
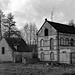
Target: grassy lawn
x: 35, y: 69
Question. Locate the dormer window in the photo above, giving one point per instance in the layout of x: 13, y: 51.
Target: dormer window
x: 15, y: 47
x: 46, y: 32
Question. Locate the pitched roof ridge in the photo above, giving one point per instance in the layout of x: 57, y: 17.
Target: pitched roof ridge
x: 59, y: 23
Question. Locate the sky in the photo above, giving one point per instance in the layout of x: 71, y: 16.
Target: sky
x: 26, y: 11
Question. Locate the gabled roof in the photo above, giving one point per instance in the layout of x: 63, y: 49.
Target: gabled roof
x: 63, y: 28
x: 20, y: 43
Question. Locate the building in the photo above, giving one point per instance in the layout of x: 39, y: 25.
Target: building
x: 14, y: 50
x: 34, y: 50
x: 56, y: 42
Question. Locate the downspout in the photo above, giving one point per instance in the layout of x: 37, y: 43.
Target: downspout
x: 0, y: 28
x: 58, y: 60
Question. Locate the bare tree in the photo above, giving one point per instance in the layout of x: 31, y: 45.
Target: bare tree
x: 30, y: 31
x: 26, y: 33
x: 71, y: 23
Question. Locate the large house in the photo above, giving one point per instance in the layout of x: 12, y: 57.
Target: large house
x: 56, y: 42
x: 14, y: 50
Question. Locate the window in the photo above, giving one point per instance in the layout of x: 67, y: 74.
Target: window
x: 41, y: 42
x: 51, y: 56
x: 61, y: 41
x: 46, y: 32
x: 72, y: 42
x: 67, y: 42
x: 15, y: 47
x: 51, y: 43
x: 42, y: 56
x: 3, y: 50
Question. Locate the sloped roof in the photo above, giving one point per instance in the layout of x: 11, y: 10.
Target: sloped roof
x: 63, y: 27
x: 20, y: 43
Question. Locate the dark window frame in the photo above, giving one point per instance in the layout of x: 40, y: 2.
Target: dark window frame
x: 71, y: 42
x: 3, y: 50
x: 67, y: 42
x: 46, y: 32
x: 51, y: 56
x: 61, y: 41
x: 41, y: 42
x: 42, y: 56
x: 51, y: 44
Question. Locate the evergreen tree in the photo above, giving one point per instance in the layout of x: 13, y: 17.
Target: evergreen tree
x: 10, y: 27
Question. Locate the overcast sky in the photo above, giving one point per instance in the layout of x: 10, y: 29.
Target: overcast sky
x: 37, y: 10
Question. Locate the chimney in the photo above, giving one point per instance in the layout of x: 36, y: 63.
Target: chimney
x: 45, y: 19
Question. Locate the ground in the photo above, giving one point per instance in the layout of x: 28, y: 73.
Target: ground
x: 35, y: 69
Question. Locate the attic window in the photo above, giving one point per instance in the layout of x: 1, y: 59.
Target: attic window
x: 15, y: 47
x: 46, y: 32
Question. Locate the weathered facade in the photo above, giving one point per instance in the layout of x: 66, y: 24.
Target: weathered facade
x: 55, y: 40
x: 13, y: 51
x: 5, y: 55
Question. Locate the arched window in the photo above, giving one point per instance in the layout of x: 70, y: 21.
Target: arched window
x: 42, y: 56
x: 41, y: 42
x: 51, y: 43
x: 51, y: 56
x: 61, y: 41
x: 67, y: 42
x: 72, y: 42
x: 46, y: 32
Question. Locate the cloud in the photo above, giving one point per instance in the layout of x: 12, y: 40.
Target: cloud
x: 30, y: 10
x: 59, y: 16
x: 4, y: 4
x: 22, y: 10
x: 37, y: 10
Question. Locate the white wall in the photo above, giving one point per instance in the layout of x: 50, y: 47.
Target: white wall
x: 46, y: 47
x: 8, y: 52
x: 65, y: 55
x: 47, y: 55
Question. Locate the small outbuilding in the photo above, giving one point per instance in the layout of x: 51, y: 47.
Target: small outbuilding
x: 14, y: 50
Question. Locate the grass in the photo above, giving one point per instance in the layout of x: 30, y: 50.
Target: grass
x: 35, y: 69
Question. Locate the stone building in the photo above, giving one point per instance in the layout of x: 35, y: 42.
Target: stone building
x: 14, y: 50
x: 56, y: 42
